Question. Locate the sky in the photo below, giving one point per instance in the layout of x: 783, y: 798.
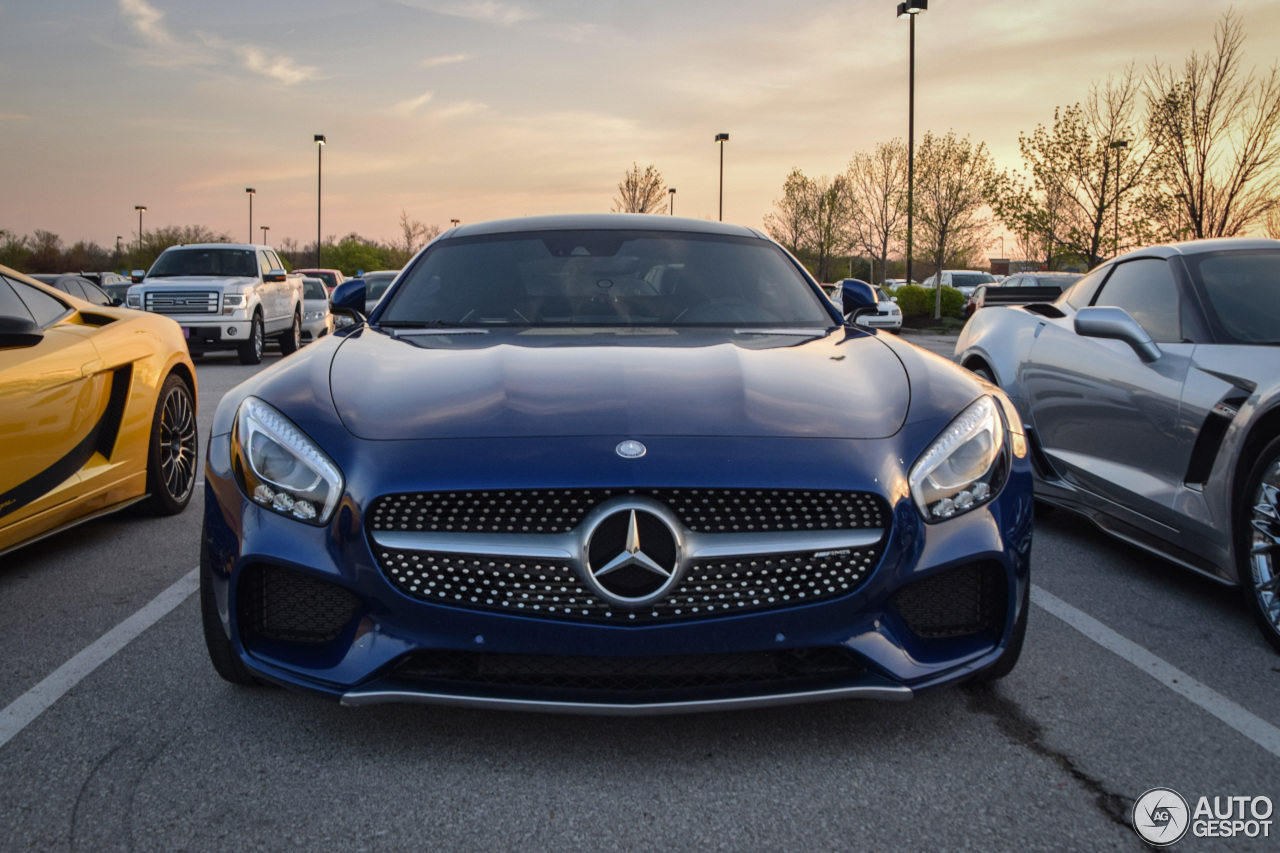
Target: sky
x: 487, y: 109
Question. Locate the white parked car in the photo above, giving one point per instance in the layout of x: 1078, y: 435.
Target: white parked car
x: 376, y: 284
x: 965, y: 281
x: 317, y: 321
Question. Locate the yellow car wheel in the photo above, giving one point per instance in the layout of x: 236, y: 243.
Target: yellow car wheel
x: 173, y: 450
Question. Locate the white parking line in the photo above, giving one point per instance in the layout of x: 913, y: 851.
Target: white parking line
x: 1245, y: 722
x: 30, y: 705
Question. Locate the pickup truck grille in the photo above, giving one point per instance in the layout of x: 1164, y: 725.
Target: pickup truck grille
x: 181, y: 301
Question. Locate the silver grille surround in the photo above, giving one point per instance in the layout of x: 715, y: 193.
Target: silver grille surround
x: 537, y: 574
x: 181, y: 301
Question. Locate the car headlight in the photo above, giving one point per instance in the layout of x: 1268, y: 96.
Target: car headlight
x: 965, y: 466
x: 314, y: 315
x: 281, y: 468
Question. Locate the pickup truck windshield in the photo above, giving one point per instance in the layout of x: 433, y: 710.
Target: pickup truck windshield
x: 605, y: 277
x: 226, y: 262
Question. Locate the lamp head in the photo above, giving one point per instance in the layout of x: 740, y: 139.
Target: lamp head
x: 319, y: 139
x: 250, y: 190
x: 912, y: 7
x: 722, y: 137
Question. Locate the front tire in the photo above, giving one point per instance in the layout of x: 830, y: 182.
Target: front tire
x: 1258, y: 542
x: 172, y: 449
x: 291, y: 339
x: 251, y: 350
x: 222, y: 653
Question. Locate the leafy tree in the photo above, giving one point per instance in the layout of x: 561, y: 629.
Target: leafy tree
x: 14, y: 250
x: 813, y: 220
x: 953, y: 181
x: 1079, y: 171
x: 877, y: 184
x: 641, y: 192
x: 1216, y: 129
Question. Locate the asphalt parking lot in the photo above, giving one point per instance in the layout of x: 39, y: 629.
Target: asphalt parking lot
x: 115, y: 733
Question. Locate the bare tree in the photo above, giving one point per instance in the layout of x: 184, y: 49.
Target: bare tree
x: 953, y: 182
x: 877, y: 184
x: 414, y: 234
x: 788, y: 224
x: 1218, y: 133
x: 641, y: 192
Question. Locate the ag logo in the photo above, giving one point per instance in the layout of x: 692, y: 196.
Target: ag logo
x: 1160, y: 817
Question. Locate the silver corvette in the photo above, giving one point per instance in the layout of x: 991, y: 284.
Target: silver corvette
x: 1150, y: 391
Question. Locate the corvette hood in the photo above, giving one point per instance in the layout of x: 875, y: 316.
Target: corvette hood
x: 511, y: 384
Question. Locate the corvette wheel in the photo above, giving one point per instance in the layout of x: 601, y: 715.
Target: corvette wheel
x: 985, y: 374
x: 1260, y: 543
x: 251, y: 350
x: 173, y: 450
x: 222, y: 653
x: 291, y: 339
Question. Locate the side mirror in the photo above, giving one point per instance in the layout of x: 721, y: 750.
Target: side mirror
x: 19, y: 332
x: 350, y: 296
x: 1115, y: 323
x: 117, y: 302
x: 273, y: 275
x: 137, y: 276
x: 857, y: 297
x: 893, y: 299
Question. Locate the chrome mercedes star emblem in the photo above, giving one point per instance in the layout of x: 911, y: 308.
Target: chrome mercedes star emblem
x: 632, y: 553
x: 631, y: 449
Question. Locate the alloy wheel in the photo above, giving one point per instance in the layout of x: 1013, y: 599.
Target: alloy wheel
x: 1264, y: 541
x: 178, y: 443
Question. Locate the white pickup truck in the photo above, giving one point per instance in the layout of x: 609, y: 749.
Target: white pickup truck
x: 225, y: 296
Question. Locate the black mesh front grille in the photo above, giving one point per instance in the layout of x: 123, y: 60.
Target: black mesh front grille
x: 561, y: 510
x: 281, y: 604
x: 968, y: 599
x: 587, y: 674
x: 552, y: 590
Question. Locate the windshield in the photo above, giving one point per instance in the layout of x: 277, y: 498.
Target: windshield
x: 1244, y: 292
x: 604, y: 277
x: 313, y: 288
x: 970, y: 279
x: 376, y: 284
x: 175, y: 262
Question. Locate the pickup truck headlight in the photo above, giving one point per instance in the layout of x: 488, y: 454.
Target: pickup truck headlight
x: 965, y: 466
x: 232, y: 301
x: 282, y: 469
x: 133, y: 300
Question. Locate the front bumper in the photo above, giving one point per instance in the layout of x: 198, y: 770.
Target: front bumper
x: 375, y: 656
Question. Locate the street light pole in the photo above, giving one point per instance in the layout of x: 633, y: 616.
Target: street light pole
x: 140, y: 208
x: 320, y: 141
x: 265, y: 229
x: 671, y: 205
x: 1119, y: 145
x: 251, y: 192
x: 910, y: 9
x: 722, y: 138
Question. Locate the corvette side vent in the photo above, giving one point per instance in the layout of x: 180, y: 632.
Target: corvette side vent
x: 1209, y: 440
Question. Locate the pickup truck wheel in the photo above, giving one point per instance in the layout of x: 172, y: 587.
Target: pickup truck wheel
x: 291, y: 338
x: 251, y: 350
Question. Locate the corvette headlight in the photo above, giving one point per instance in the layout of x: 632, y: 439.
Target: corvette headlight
x: 281, y: 468
x: 965, y: 466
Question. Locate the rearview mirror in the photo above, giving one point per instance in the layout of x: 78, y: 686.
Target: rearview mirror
x: 273, y: 275
x: 1115, y: 323
x: 19, y: 332
x: 137, y: 276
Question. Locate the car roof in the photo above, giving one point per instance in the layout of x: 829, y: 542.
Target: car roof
x: 1200, y: 247
x: 601, y: 222
x: 250, y: 246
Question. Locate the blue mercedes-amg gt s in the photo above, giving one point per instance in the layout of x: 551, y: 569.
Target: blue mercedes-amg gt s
x: 613, y: 464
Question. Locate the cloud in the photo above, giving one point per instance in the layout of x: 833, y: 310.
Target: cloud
x: 437, y: 61
x: 461, y: 108
x: 491, y: 11
x: 404, y: 109
x: 146, y: 19
x: 281, y: 68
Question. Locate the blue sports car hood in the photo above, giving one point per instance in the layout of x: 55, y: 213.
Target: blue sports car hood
x: 510, y: 383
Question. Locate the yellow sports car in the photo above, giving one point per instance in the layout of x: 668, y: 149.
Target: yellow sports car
x: 97, y: 411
